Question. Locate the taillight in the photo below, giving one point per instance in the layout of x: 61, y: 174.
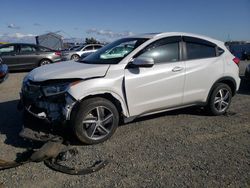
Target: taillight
x: 236, y: 60
x: 58, y: 53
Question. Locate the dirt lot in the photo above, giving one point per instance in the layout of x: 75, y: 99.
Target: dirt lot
x: 183, y: 148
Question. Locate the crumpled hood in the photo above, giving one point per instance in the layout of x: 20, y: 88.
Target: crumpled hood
x: 67, y: 70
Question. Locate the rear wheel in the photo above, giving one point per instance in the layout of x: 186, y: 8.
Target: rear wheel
x: 220, y: 99
x: 95, y: 121
x: 75, y: 57
x: 44, y: 62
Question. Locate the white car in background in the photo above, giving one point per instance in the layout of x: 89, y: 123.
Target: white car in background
x: 150, y: 73
x: 82, y: 50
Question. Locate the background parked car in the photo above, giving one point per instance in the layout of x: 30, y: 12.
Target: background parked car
x: 240, y: 50
x: 3, y: 71
x: 85, y: 55
x: 77, y: 53
x: 246, y: 55
x: 247, y: 72
x: 27, y: 56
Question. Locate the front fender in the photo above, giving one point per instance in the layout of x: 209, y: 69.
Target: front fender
x: 99, y: 86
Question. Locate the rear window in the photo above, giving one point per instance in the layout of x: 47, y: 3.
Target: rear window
x: 198, y: 48
x: 199, y: 51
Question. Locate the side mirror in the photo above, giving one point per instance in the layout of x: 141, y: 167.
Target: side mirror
x: 143, y: 62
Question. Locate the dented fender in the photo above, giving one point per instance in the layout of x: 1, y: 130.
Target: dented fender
x: 99, y: 86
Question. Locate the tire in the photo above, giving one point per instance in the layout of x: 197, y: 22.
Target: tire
x: 75, y: 57
x: 44, y: 62
x: 95, y: 120
x: 220, y: 99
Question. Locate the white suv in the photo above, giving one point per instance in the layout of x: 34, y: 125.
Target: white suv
x: 130, y: 78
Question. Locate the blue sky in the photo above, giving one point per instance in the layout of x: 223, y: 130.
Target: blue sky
x: 111, y: 19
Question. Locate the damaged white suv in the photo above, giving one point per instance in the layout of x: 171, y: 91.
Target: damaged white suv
x: 130, y: 78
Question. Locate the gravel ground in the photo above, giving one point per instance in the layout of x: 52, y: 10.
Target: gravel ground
x: 182, y: 148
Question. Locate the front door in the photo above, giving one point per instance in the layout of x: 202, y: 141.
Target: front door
x: 160, y: 86
x: 8, y: 54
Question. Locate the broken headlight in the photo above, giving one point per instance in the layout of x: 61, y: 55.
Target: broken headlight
x: 55, y: 89
x: 59, y: 88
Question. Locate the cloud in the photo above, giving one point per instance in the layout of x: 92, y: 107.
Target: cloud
x: 37, y: 24
x: 73, y: 39
x: 17, y: 37
x: 109, y: 33
x: 13, y: 26
x: 21, y: 35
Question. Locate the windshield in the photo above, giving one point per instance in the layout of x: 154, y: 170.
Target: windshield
x: 114, y: 52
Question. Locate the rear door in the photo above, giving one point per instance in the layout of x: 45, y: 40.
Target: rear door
x: 8, y: 54
x: 203, y: 67
x: 158, y: 87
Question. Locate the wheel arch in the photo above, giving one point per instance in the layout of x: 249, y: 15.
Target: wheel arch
x: 114, y: 98
x: 226, y: 80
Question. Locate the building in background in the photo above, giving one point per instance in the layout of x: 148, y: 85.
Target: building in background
x: 50, y: 40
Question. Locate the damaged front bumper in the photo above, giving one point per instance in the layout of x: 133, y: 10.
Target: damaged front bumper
x: 50, y: 110
x: 42, y: 113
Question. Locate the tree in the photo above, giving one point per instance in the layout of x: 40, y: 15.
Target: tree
x: 91, y: 41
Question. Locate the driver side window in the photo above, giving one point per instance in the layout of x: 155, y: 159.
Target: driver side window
x: 7, y: 50
x: 163, y: 50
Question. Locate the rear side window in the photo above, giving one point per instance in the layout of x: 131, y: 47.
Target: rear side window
x: 198, y: 48
x: 27, y: 49
x: 163, y: 50
x: 44, y: 49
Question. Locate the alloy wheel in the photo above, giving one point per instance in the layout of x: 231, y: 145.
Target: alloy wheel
x: 45, y: 62
x: 221, y: 100
x: 98, y: 122
x: 75, y: 57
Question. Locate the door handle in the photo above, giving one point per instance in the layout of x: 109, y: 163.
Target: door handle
x: 176, y: 69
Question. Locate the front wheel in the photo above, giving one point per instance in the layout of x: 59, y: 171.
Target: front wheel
x: 95, y: 121
x: 220, y: 99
